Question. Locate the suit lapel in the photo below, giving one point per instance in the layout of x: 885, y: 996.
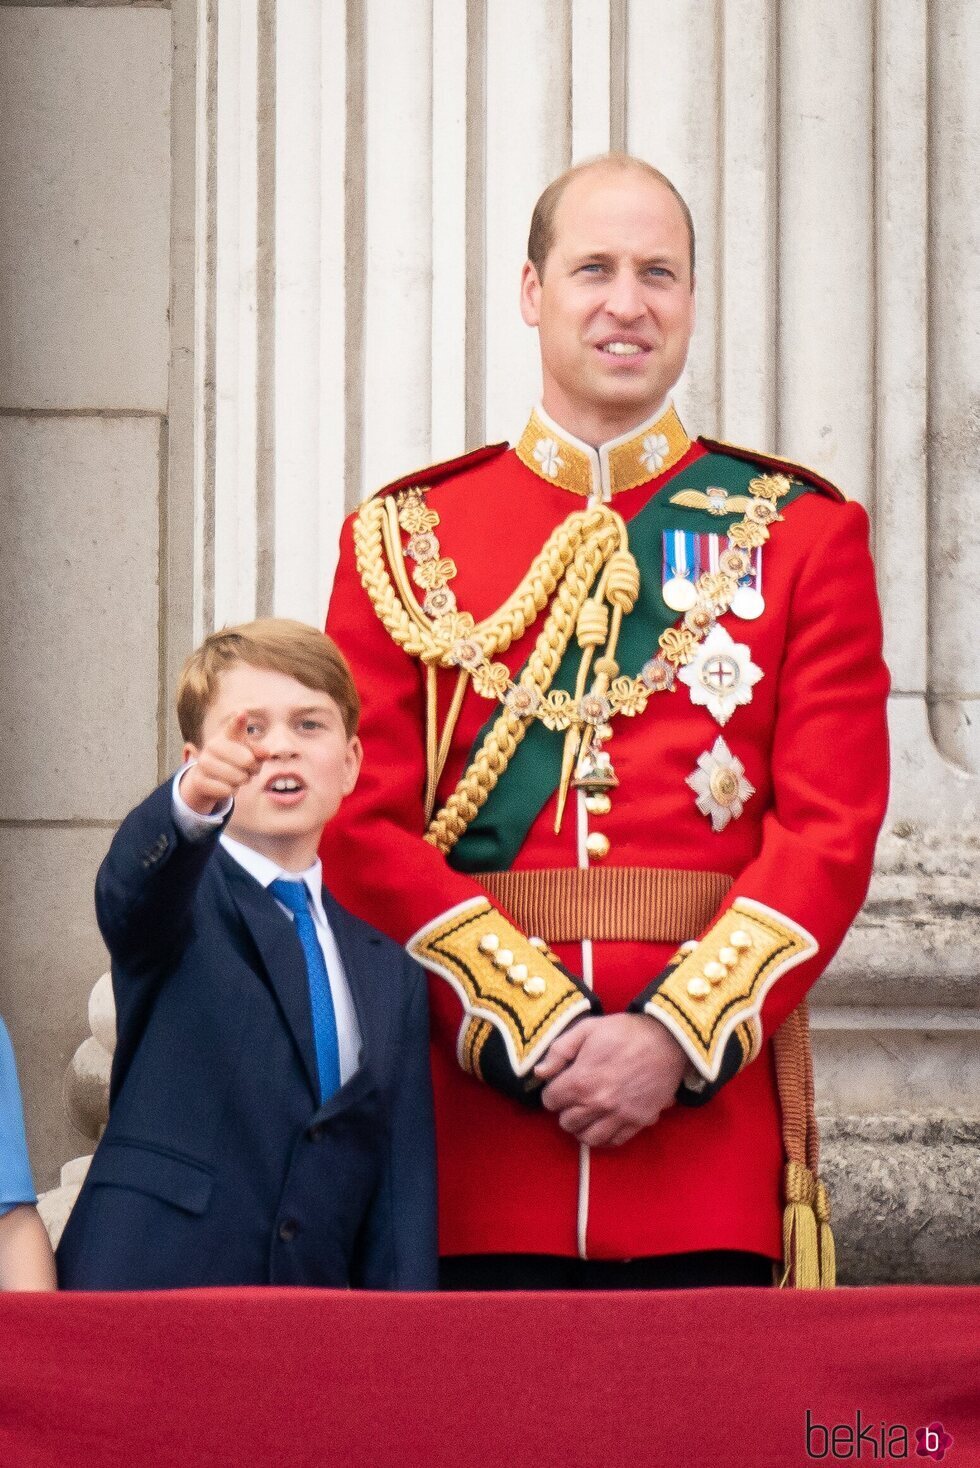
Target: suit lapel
x: 359, y: 951
x: 282, y: 957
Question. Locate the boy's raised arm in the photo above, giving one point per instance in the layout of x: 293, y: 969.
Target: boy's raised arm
x: 146, y: 883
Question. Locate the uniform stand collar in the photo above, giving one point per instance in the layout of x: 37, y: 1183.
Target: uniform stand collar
x: 645, y: 453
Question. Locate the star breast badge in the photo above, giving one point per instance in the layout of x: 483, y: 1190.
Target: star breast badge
x: 722, y: 674
x: 719, y: 783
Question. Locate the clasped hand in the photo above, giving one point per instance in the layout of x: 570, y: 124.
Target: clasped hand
x: 609, y: 1076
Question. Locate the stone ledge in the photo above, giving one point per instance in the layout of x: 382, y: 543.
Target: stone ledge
x: 905, y: 1192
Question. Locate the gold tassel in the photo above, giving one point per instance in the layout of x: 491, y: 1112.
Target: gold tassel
x: 801, y: 1260
x: 828, y: 1252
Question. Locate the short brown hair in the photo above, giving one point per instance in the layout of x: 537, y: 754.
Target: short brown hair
x: 276, y: 643
x: 542, y: 232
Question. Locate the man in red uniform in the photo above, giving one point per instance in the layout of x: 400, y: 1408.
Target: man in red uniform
x: 625, y: 764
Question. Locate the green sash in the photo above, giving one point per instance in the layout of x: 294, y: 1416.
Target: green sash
x: 493, y: 839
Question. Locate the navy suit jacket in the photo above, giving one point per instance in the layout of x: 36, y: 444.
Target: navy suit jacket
x: 219, y: 1166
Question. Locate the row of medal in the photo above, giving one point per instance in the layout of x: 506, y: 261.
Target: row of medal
x: 720, y: 678
x: 688, y: 554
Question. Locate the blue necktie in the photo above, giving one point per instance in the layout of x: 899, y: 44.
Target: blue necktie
x: 294, y: 896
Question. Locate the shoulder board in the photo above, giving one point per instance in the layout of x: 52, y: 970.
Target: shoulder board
x: 435, y: 473
x: 784, y: 466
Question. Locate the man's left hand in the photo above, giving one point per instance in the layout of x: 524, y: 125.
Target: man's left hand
x: 610, y: 1076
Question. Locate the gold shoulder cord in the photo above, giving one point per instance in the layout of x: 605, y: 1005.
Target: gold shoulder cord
x: 494, y: 755
x: 566, y: 568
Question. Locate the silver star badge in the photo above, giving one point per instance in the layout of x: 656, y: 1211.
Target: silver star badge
x: 722, y: 675
x: 720, y: 785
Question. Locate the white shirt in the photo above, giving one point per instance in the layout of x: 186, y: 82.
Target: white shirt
x: 265, y: 871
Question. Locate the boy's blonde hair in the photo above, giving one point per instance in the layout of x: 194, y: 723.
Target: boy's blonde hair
x: 276, y: 643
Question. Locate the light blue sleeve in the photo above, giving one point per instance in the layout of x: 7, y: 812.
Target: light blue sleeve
x: 16, y: 1185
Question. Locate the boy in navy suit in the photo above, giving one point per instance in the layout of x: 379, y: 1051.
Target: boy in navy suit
x: 270, y: 1106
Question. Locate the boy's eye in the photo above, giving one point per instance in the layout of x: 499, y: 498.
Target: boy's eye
x: 312, y: 724
x: 253, y: 728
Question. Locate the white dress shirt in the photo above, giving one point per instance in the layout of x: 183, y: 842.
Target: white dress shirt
x: 265, y: 871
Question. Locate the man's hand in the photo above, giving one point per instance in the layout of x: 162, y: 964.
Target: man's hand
x: 610, y: 1076
x: 226, y: 762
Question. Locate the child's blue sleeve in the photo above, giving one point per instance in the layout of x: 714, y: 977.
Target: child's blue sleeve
x: 16, y: 1185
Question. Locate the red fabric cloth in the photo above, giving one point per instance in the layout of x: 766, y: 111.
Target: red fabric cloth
x: 716, y: 1379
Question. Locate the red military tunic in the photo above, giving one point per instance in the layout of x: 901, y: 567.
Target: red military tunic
x: 808, y: 735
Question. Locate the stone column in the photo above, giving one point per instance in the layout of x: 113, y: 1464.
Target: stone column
x: 88, y: 160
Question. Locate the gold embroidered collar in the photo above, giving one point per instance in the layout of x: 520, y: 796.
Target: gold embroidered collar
x: 598, y: 473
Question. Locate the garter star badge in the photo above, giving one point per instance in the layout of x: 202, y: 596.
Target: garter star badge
x: 720, y: 785
x: 721, y: 675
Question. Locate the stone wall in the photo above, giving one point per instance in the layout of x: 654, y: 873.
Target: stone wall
x: 332, y: 197
x: 86, y: 156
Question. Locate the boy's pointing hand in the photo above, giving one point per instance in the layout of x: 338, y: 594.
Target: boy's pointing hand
x: 225, y: 762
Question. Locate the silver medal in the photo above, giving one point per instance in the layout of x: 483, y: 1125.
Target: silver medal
x: 679, y: 594
x: 748, y: 603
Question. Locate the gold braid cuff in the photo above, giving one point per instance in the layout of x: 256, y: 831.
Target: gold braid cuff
x: 503, y: 979
x: 719, y: 987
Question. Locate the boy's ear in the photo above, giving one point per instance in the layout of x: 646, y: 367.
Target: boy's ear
x: 190, y: 751
x: 355, y: 754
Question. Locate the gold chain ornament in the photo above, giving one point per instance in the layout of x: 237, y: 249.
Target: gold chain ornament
x: 582, y: 546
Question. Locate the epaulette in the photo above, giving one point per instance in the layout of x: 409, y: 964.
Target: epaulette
x: 769, y: 461
x: 434, y: 474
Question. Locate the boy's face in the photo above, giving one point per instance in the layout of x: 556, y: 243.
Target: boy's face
x: 310, y: 766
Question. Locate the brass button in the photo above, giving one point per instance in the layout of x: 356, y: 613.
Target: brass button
x: 728, y: 956
x: 534, y: 987
x: 503, y: 958
x: 597, y: 845
x: 698, y: 988
x: 537, y: 943
x: 690, y: 945
x: 598, y: 805
x: 489, y: 943
x: 517, y: 973
x: 715, y: 971
x: 740, y: 939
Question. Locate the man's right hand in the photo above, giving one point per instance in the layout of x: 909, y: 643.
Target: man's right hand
x: 225, y: 763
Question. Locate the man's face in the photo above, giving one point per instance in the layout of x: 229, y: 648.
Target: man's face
x: 615, y: 307
x: 311, y: 763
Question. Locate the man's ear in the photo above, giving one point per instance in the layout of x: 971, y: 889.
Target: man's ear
x: 530, y: 295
